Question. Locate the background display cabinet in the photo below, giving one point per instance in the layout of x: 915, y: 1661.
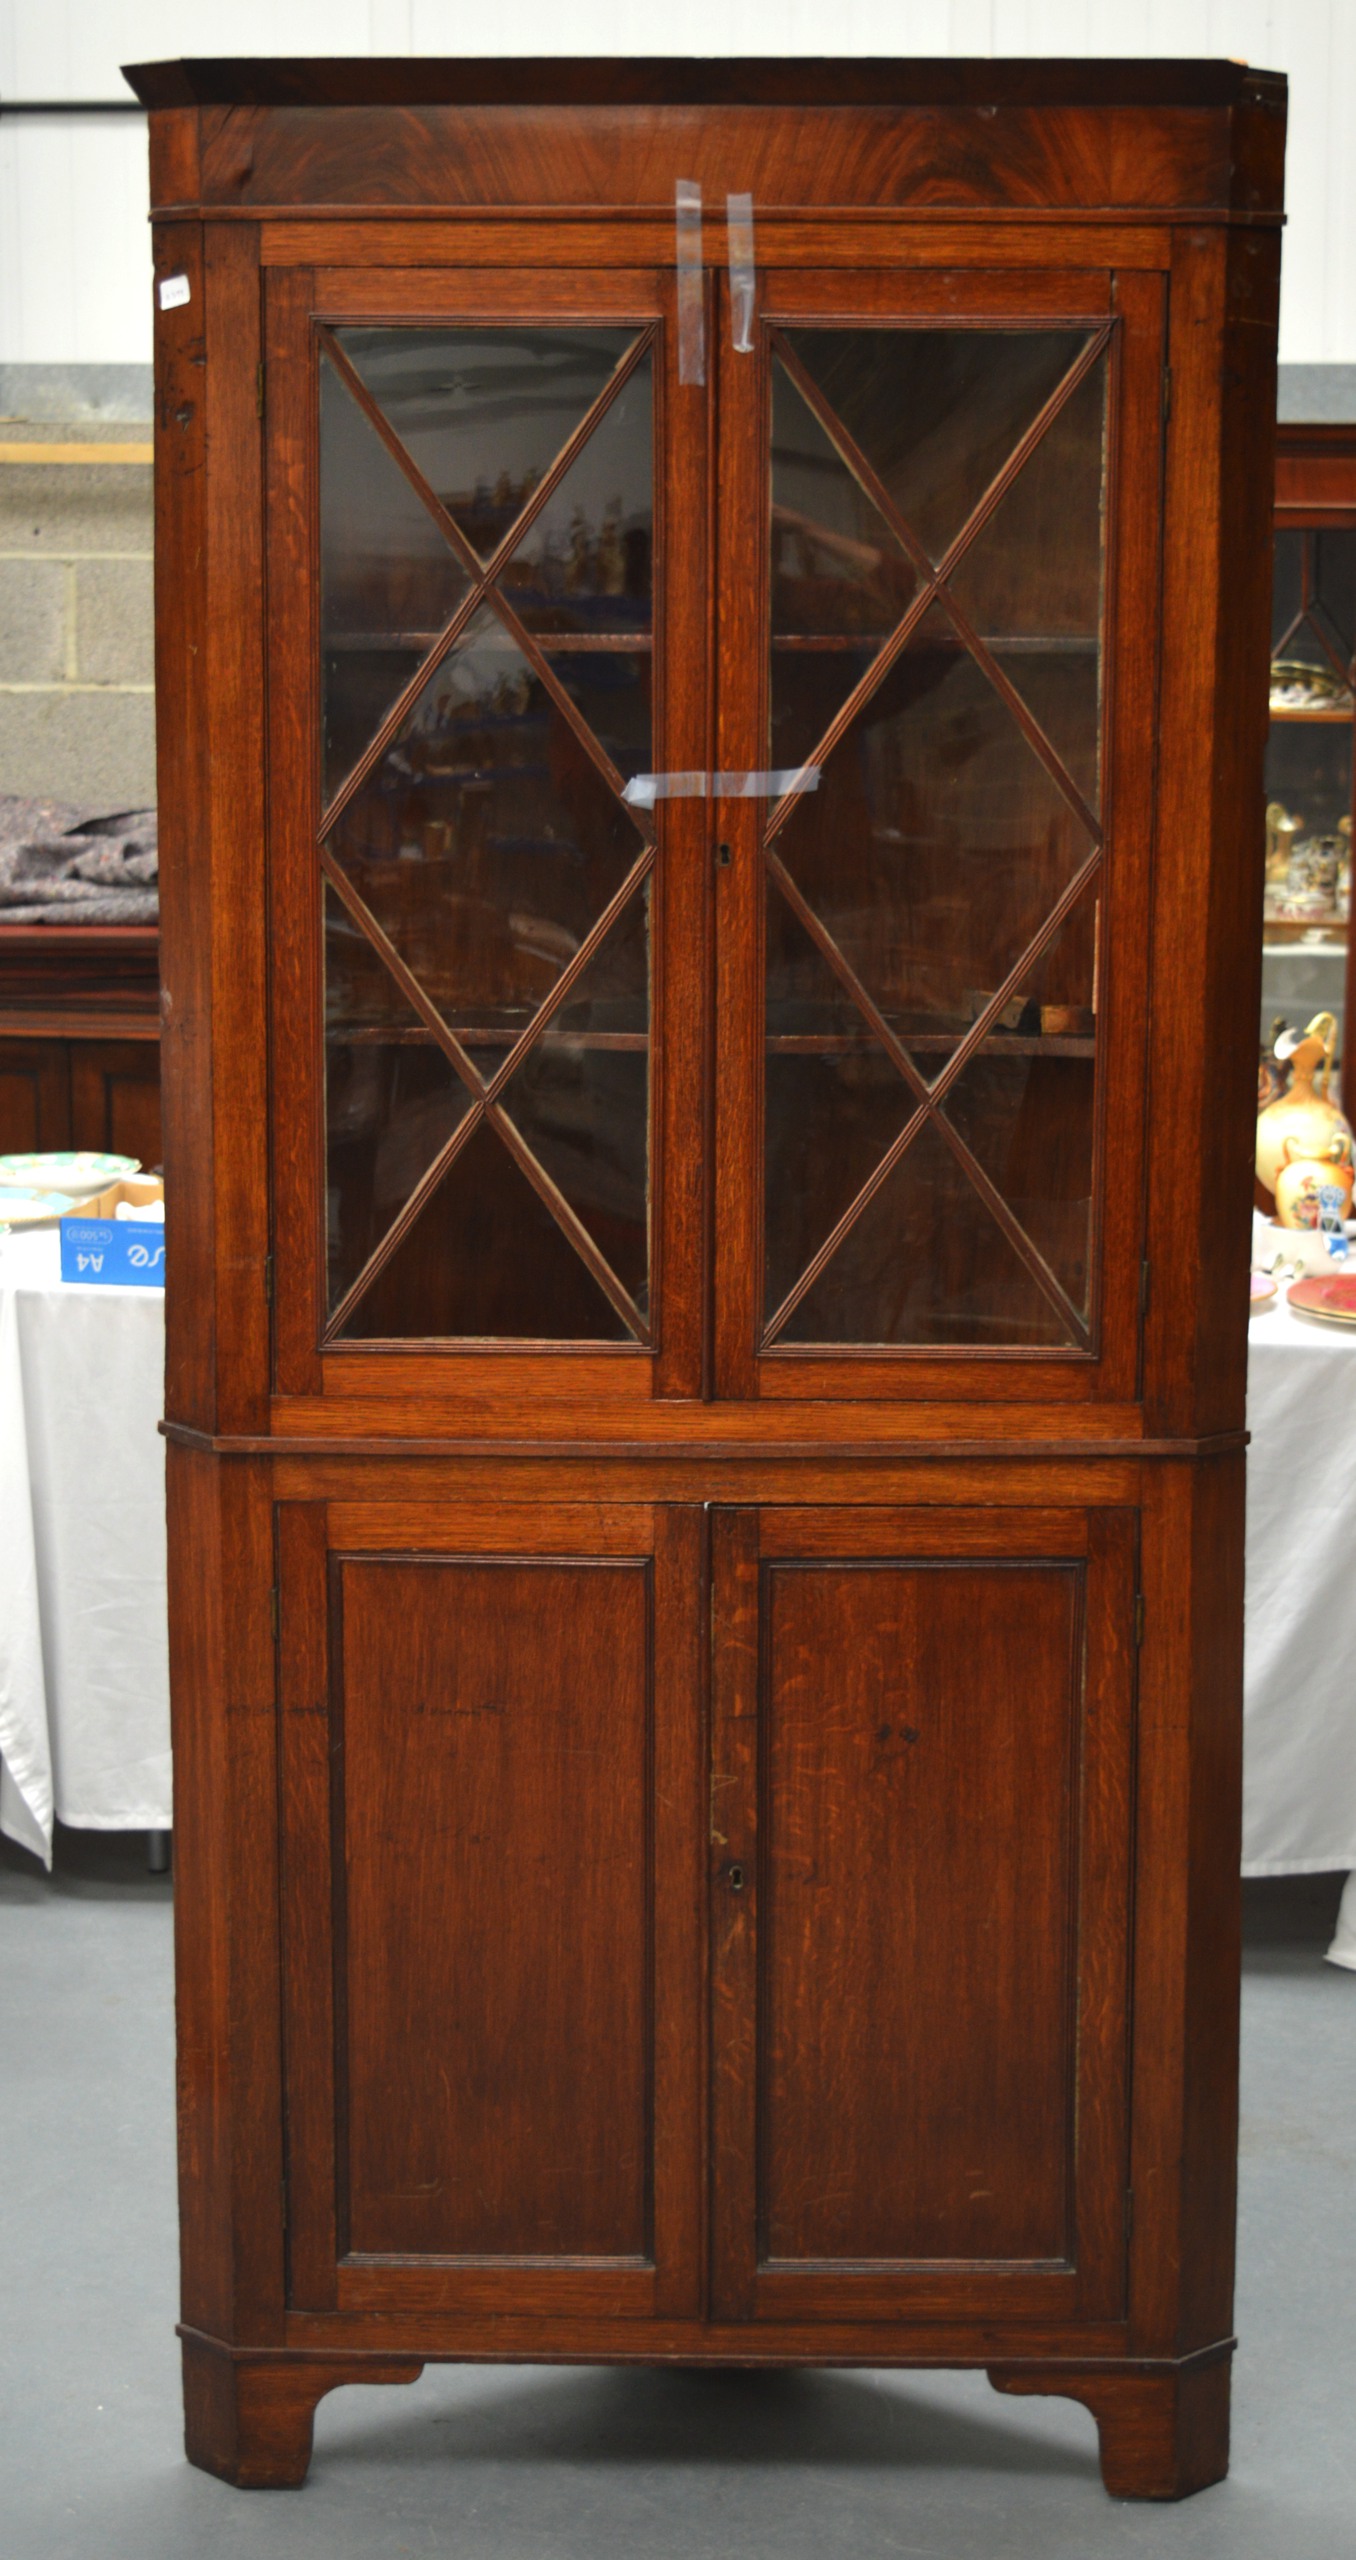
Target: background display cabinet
x: 711, y: 797
x: 1306, y: 908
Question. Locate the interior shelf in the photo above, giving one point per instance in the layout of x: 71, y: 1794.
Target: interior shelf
x: 1013, y: 1044
x: 1007, y: 644
x: 400, y: 1035
x: 551, y: 643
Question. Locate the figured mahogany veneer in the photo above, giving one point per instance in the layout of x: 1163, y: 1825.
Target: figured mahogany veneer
x: 705, y: 1417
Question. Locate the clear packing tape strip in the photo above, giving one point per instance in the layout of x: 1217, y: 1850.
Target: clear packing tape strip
x: 691, y: 287
x: 691, y: 284
x: 645, y: 788
x: 739, y: 226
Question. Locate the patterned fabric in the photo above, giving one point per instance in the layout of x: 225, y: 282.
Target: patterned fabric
x: 68, y: 864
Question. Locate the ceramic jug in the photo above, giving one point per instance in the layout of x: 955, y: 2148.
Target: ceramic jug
x: 1303, y: 1126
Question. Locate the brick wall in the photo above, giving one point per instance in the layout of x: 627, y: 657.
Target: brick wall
x: 77, y: 695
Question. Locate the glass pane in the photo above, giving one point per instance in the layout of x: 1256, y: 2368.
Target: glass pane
x: 833, y: 1103
x: 1031, y: 582
x: 485, y: 1258
x: 1034, y: 569
x: 806, y: 999
x: 1027, y: 1118
x: 1309, y: 782
x: 1311, y: 671
x: 484, y: 412
x: 389, y: 582
x: 611, y: 689
x: 485, y: 841
x: 1335, y: 583
x: 1308, y: 856
x: 581, y: 1100
x: 1287, y: 582
x: 937, y: 412
x: 926, y: 1264
x: 584, y: 563
x: 941, y: 837
x: 1313, y: 619
x: 1024, y: 1102
x: 836, y: 566
x: 936, y: 844
x: 809, y: 688
x: 392, y: 1099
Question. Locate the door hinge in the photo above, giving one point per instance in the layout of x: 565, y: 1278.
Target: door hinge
x: 273, y: 1611
x: 268, y: 1279
x: 1167, y: 393
x: 1139, y: 1618
x: 259, y: 391
x: 1143, y: 1290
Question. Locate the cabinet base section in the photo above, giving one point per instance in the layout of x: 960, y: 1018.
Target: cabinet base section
x: 249, y: 2419
x: 1163, y: 2428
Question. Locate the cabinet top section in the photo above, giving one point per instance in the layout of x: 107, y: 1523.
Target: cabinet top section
x: 403, y: 80
x: 1191, y: 138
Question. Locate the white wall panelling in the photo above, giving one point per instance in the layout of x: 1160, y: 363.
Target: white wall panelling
x: 74, y: 265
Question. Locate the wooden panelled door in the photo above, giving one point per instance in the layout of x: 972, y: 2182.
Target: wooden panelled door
x: 492, y: 1885
x: 920, y: 1791
x: 597, y: 1089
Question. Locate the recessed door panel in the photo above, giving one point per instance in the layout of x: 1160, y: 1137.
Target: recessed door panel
x: 923, y: 1726
x: 496, y: 1923
x: 489, y: 2016
x: 919, y: 1800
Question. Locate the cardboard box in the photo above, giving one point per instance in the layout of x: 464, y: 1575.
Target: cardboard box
x: 102, y: 1250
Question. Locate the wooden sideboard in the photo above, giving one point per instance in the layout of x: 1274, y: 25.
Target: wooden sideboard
x: 710, y: 910
x: 80, y: 1039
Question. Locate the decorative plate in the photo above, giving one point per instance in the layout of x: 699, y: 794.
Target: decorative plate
x: 1263, y: 1291
x: 32, y: 1208
x: 78, y: 1173
x: 1330, y: 1294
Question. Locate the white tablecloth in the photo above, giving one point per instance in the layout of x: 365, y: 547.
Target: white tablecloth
x: 84, y: 1706
x: 1299, y: 1733
x: 84, y: 1672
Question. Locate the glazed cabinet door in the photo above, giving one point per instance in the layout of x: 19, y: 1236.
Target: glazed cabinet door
x: 920, y: 1862
x: 492, y: 1876
x: 487, y: 624
x: 940, y: 660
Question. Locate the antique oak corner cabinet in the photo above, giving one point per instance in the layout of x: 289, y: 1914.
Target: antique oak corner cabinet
x: 713, y: 845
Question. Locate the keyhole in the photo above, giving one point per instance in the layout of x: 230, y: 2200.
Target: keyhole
x: 736, y: 1876
x: 722, y: 854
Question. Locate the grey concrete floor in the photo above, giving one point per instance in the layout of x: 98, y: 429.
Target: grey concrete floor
x: 535, y: 2464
